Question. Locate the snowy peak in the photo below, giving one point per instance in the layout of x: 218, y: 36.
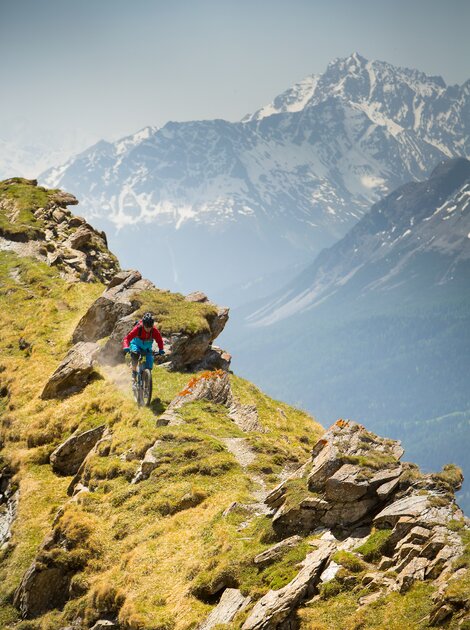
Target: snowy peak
x: 292, y: 100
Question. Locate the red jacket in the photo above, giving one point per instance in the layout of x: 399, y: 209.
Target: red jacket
x: 144, y: 335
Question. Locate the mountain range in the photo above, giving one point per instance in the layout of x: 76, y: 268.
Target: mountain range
x: 266, y: 194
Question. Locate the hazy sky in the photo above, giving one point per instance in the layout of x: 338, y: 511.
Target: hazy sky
x: 105, y: 68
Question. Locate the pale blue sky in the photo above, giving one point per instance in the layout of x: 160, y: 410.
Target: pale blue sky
x: 105, y: 68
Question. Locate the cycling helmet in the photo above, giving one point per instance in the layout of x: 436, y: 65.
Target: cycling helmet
x: 148, y: 320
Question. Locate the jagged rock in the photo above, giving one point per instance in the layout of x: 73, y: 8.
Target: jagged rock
x: 83, y: 236
x: 197, y: 296
x: 273, y: 553
x: 214, y: 359
x: 348, y: 513
x: 330, y: 571
x: 414, y: 570
x: 326, y: 463
x: 64, y: 199
x: 344, y: 440
x: 81, y: 476
x: 435, y: 544
x: 245, y: 416
x: 59, y: 215
x: 41, y: 589
x: 440, y: 614
x: 74, y: 373
x: 68, y: 457
x: 417, y: 535
x: 344, y: 484
x: 217, y: 321
x: 76, y: 221
x: 274, y: 608
x: 412, y: 506
x: 231, y: 602
x: 115, y: 303
x: 189, y: 350
x: 148, y: 464
x: 386, y: 489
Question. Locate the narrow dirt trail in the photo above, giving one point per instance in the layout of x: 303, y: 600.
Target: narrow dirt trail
x: 245, y: 455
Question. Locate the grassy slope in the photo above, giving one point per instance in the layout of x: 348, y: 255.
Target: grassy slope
x: 146, y: 532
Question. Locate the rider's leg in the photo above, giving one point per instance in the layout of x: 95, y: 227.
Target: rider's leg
x: 149, y: 359
x: 136, y: 349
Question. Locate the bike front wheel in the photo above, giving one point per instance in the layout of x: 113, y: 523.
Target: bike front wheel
x: 146, y: 387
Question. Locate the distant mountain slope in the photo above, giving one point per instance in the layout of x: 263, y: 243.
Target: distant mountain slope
x: 279, y: 185
x: 428, y: 221
x: 378, y: 326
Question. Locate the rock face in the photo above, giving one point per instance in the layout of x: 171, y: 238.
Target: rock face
x: 344, y: 482
x: 355, y: 481
x: 63, y: 240
x: 74, y: 373
x: 274, y: 608
x: 46, y: 583
x: 68, y: 457
x: 112, y: 315
x: 116, y: 302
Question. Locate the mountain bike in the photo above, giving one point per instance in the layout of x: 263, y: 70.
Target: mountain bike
x: 142, y: 385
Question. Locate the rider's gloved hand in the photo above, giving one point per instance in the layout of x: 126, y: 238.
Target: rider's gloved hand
x: 126, y: 350
x: 161, y: 352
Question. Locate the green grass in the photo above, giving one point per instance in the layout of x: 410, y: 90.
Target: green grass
x: 20, y: 199
x: 173, y: 314
x: 372, y: 549
x: 340, y: 611
x: 349, y: 561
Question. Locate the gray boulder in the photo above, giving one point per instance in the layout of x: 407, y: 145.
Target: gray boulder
x: 231, y: 602
x: 116, y: 302
x: 74, y: 373
x: 68, y: 457
x: 411, y: 506
x: 274, y: 608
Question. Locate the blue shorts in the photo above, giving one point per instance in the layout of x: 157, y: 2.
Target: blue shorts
x: 144, y: 348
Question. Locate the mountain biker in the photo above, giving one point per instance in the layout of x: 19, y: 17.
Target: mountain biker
x: 139, y: 341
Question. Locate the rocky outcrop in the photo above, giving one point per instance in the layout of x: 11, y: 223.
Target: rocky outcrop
x: 276, y: 606
x: 68, y: 457
x: 231, y: 603
x: 67, y: 550
x: 60, y: 239
x: 117, y: 301
x: 74, y: 373
x: 343, y: 484
x: 355, y: 482
x: 113, y: 315
x: 214, y: 387
x: 81, y: 479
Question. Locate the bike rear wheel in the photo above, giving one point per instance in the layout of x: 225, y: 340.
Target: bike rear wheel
x: 146, y: 389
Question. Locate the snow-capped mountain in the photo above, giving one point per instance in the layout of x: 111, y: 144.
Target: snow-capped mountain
x: 279, y: 185
x: 292, y: 100
x: 418, y: 235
